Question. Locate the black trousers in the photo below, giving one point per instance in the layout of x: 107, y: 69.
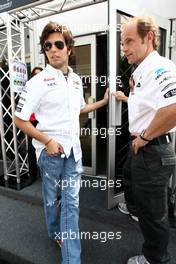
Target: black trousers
x: 151, y: 169
x: 128, y: 187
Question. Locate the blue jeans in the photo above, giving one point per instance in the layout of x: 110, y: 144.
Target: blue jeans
x: 60, y: 188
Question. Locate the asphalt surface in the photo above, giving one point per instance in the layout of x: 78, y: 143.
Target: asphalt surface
x: 24, y: 240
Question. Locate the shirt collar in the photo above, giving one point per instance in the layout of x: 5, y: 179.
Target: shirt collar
x: 149, y: 59
x: 57, y: 72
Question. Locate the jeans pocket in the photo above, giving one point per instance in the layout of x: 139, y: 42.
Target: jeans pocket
x: 40, y: 157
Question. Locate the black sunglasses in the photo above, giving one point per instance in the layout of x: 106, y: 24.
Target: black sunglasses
x: 48, y: 45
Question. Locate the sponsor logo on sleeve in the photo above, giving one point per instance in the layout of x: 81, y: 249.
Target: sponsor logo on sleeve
x: 20, y: 104
x: 170, y: 93
x: 18, y: 109
x: 159, y: 72
x: 167, y: 86
x: 22, y: 99
x: 166, y: 79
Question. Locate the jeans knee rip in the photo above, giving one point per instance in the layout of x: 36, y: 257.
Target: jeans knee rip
x: 54, y: 203
x: 46, y: 175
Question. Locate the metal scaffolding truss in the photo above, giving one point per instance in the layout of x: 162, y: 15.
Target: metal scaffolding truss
x: 34, y: 12
x: 12, y: 47
x: 12, y: 140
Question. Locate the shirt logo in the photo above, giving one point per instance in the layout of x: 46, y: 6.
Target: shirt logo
x: 167, y: 86
x: 170, y: 93
x: 159, y: 73
x: 51, y: 84
x: 20, y: 104
x: 166, y: 79
x: 76, y: 82
x: 49, y: 79
x: 22, y: 98
x: 18, y: 109
x: 138, y: 85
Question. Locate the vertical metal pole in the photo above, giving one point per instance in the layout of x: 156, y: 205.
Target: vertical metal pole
x: 12, y: 96
x: 2, y: 137
x: 114, y: 106
x: 170, y: 48
x: 33, y: 51
x: 174, y: 173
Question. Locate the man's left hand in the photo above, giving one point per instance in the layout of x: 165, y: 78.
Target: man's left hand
x: 106, y: 96
x: 138, y: 143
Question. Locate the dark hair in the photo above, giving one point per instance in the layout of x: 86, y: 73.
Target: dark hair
x: 33, y: 71
x: 53, y: 27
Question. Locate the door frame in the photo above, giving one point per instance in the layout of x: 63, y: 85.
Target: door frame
x: 122, y: 7
x: 91, y: 40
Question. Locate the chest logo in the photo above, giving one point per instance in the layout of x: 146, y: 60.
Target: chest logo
x: 51, y: 84
x: 49, y: 79
x: 76, y: 82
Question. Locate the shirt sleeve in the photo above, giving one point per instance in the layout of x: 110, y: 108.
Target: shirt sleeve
x: 166, y: 85
x: 28, y: 102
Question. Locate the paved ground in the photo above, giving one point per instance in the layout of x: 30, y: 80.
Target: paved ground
x: 23, y: 236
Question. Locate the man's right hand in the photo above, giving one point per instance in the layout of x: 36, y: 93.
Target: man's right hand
x: 54, y: 148
x: 120, y: 96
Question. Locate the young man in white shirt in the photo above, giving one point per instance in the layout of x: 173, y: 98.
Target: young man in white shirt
x: 152, y: 116
x: 57, y: 102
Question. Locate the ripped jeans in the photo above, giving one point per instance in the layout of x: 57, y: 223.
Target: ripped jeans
x: 60, y: 189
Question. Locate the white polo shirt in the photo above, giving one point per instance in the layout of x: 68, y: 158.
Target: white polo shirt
x: 154, y: 88
x: 56, y: 103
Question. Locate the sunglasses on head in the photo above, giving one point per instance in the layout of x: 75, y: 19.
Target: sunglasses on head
x: 58, y: 44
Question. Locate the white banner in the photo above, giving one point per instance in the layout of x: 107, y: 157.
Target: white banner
x: 18, y: 76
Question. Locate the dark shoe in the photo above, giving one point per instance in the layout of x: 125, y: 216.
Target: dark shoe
x: 123, y: 208
x: 134, y: 217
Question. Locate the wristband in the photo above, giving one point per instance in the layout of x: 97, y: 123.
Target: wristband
x: 48, y: 142
x: 143, y: 138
